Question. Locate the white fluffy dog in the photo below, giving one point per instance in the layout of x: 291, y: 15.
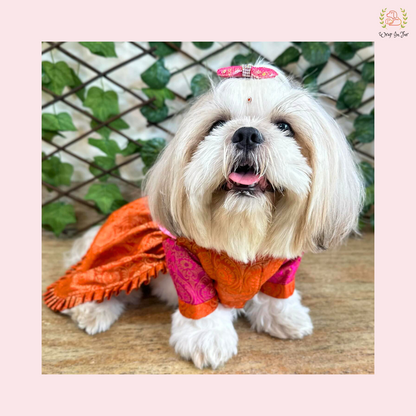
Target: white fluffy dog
x: 307, y: 199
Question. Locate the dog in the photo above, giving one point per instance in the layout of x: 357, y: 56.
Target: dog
x: 257, y: 169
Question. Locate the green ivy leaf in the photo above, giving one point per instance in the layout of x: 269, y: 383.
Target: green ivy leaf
x: 200, y: 84
x: 367, y: 72
x: 361, y: 223
x: 160, y: 95
x: 310, y: 76
x: 105, y: 49
x: 364, y: 128
x: 56, y: 76
x: 316, y: 52
x: 131, y: 148
x: 155, y: 115
x: 360, y: 45
x: 347, y: 50
x: 368, y: 173
x: 57, y: 216
x: 289, y: 56
x: 162, y: 49
x: 119, y: 124
x: 250, y: 58
x: 105, y: 132
x: 351, y: 139
x: 150, y: 151
x: 55, y: 172
x: 109, y: 147
x: 77, y: 82
x: 344, y: 50
x: 117, y: 204
x: 45, y: 79
x: 203, y: 45
x: 156, y: 76
x: 104, y: 104
x: 369, y: 196
x: 104, y: 195
x: 57, y: 122
x: 105, y: 162
x: 351, y: 95
x: 49, y: 135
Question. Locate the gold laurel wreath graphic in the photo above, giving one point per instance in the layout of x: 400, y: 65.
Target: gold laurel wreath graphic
x: 383, y: 11
x: 404, y: 18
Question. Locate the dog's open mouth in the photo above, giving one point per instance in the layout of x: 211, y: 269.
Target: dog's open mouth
x: 246, y: 179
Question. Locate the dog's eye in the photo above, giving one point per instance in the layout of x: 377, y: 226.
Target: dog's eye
x: 285, y: 127
x: 218, y: 123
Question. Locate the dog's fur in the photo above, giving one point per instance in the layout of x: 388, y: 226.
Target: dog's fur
x: 313, y: 202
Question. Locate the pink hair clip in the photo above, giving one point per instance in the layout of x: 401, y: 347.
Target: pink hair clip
x: 246, y: 71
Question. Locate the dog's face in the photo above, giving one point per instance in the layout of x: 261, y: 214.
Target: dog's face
x: 257, y: 168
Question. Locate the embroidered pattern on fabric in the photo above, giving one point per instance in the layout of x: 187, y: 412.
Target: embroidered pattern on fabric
x: 191, y: 281
x: 234, y: 281
x: 286, y: 273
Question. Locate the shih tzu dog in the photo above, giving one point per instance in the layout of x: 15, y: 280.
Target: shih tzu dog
x: 257, y: 174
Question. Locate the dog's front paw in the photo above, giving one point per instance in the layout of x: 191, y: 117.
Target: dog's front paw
x: 96, y: 317
x: 208, y: 342
x: 281, y: 318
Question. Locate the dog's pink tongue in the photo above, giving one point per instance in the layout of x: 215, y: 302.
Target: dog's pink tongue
x: 244, y: 178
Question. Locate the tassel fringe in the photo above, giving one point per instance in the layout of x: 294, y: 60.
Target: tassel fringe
x: 58, y: 304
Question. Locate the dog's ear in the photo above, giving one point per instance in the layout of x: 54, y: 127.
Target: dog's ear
x: 337, y: 191
x: 158, y: 185
x: 164, y: 183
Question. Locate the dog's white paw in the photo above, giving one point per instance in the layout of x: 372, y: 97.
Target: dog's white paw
x: 96, y: 317
x: 208, y: 342
x: 281, y: 318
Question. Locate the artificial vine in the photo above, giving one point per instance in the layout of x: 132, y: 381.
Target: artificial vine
x: 103, y: 104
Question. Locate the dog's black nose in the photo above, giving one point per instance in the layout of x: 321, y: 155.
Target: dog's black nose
x: 247, y: 138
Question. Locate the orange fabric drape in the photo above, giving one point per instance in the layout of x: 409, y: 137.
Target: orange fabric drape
x: 126, y: 253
